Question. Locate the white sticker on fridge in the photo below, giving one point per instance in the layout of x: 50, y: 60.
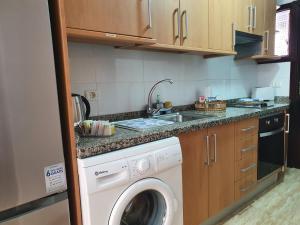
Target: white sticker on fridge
x: 55, y: 178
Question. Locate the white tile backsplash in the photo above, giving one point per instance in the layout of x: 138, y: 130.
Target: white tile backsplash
x: 277, y: 75
x: 123, y: 78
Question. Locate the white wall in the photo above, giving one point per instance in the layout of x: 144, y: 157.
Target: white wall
x: 277, y: 75
x: 123, y: 78
x: 281, y: 2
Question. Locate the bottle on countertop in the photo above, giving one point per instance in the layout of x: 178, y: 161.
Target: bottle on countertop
x: 159, y: 104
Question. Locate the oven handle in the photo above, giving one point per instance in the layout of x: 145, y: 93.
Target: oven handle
x: 271, y: 133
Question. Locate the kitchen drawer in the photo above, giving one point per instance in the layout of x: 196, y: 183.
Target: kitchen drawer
x: 246, y: 128
x: 245, y: 185
x: 246, y: 167
x: 245, y: 148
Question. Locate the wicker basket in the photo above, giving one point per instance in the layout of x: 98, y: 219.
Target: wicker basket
x: 211, y: 106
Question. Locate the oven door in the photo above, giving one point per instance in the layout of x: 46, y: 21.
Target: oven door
x: 270, y: 152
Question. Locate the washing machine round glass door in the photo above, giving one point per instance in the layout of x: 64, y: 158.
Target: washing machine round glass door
x: 146, y: 202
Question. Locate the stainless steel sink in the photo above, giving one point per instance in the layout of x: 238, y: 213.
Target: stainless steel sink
x: 182, y: 117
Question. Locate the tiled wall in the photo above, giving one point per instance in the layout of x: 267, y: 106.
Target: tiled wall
x: 123, y: 78
x: 276, y: 75
x: 281, y: 2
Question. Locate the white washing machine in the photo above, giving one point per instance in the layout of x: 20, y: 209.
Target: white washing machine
x: 141, y: 185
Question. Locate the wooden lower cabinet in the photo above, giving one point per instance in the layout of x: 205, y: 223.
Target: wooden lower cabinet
x: 221, y: 170
x: 246, y: 145
x: 245, y: 185
x: 195, y: 177
x: 208, y: 172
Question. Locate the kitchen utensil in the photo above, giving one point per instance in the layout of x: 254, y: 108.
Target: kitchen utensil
x: 81, y: 108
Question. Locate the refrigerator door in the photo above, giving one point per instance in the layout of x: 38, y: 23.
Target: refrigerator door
x: 30, y: 132
x: 57, y: 214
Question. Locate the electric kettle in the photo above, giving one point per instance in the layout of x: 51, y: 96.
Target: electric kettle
x: 81, y: 108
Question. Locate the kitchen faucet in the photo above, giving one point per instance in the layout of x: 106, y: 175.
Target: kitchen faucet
x: 150, y: 110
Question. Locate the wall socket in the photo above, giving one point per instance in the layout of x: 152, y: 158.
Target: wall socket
x: 91, y: 95
x: 276, y: 84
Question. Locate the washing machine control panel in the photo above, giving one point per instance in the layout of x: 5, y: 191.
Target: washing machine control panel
x: 141, y: 166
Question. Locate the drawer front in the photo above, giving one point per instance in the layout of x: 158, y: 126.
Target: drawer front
x: 245, y: 185
x: 246, y: 148
x: 246, y: 167
x: 246, y: 128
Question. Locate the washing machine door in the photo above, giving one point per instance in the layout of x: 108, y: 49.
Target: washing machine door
x: 146, y: 202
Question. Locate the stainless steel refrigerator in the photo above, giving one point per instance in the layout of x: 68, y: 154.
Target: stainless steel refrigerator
x: 32, y: 174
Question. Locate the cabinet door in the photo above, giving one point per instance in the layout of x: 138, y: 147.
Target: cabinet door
x: 221, y: 171
x: 270, y: 20
x: 195, y: 177
x: 166, y: 21
x: 258, y: 16
x: 194, y: 23
x: 220, y: 25
x: 127, y: 17
x: 242, y: 15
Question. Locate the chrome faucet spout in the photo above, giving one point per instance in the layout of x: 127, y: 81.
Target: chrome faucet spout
x: 149, y: 106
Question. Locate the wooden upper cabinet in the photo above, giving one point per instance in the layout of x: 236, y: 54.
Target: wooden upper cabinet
x: 195, y: 177
x: 221, y: 171
x: 242, y: 17
x: 166, y: 21
x: 220, y: 25
x: 127, y: 17
x: 194, y: 23
x: 249, y: 16
x: 258, y: 15
x: 269, y: 27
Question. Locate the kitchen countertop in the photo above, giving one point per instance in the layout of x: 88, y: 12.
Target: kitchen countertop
x: 91, y: 146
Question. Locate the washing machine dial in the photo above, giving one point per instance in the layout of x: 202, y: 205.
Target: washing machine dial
x: 142, y: 166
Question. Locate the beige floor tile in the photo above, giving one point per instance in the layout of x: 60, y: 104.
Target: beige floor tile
x: 280, y: 206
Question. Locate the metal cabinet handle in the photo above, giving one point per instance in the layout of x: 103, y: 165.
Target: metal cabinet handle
x: 288, y: 116
x: 254, y: 9
x: 150, y: 14
x: 215, y: 148
x: 251, y: 148
x: 248, y: 128
x: 233, y: 37
x: 248, y: 187
x: 207, y: 151
x: 184, y: 13
x: 252, y: 166
x: 250, y: 11
x: 267, y: 36
x: 176, y: 11
x: 271, y: 133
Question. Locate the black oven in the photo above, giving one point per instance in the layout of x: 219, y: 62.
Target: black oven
x: 271, y: 144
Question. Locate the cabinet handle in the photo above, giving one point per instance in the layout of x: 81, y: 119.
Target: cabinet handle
x: 150, y: 14
x: 215, y: 148
x: 176, y: 11
x: 233, y: 37
x: 288, y: 116
x: 254, y: 17
x: 248, y: 129
x: 184, y: 13
x: 250, y: 11
x: 249, y: 149
x: 267, y: 36
x: 248, y: 188
x: 207, y: 151
x: 252, y: 166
